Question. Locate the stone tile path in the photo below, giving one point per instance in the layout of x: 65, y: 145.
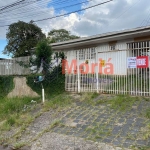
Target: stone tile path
x: 102, y: 124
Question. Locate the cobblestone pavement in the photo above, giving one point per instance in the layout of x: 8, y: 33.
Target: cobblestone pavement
x: 94, y: 127
x: 102, y: 124
x: 54, y: 141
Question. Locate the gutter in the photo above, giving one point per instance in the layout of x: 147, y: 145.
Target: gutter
x: 102, y: 37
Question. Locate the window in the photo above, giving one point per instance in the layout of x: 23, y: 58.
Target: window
x: 88, y: 53
x: 112, y: 47
x: 139, y: 48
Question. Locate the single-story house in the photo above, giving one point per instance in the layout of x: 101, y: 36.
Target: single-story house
x: 112, y: 55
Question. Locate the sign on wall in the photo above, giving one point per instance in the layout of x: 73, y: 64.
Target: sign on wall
x: 142, y: 62
x: 138, y: 62
x: 131, y: 62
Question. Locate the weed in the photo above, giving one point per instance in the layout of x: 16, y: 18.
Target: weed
x: 122, y: 102
x: 147, y: 113
x: 62, y: 100
x: 94, y: 95
x: 19, y: 145
x: 88, y: 98
x: 13, y: 106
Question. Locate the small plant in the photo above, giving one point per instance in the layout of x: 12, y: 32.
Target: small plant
x: 123, y: 102
x: 58, y: 101
x: 147, y: 113
x: 94, y: 95
x: 19, y: 145
x: 11, y: 120
x: 55, y: 123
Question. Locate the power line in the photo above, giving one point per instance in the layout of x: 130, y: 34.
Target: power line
x: 59, y: 8
x: 39, y: 2
x: 32, y: 9
x: 125, y: 11
x: 68, y: 13
x: 72, y: 12
x: 16, y: 4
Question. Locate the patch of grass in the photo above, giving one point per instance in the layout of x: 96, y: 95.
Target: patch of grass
x: 147, y: 113
x: 10, y: 106
x: 19, y: 145
x: 146, y: 134
x: 101, y: 102
x: 94, y: 95
x: 12, y: 112
x: 55, y: 123
x: 2, y: 140
x: 123, y: 102
x: 140, y: 148
x: 88, y: 98
x: 61, y: 100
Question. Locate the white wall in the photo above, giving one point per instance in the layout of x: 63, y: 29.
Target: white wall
x: 118, y: 56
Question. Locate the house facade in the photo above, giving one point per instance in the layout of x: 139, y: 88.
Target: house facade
x: 116, y: 62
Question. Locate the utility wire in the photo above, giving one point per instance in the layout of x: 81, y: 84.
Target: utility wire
x: 40, y: 2
x: 32, y: 9
x: 68, y: 13
x: 43, y: 12
x: 73, y: 11
x: 145, y: 20
x: 13, y: 5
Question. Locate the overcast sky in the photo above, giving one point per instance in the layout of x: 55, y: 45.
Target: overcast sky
x: 116, y: 15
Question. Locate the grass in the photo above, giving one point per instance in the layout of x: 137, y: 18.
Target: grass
x: 11, y: 106
x: 58, y: 101
x: 147, y: 113
x: 16, y: 146
x: 88, y: 97
x: 12, y: 112
x: 122, y: 102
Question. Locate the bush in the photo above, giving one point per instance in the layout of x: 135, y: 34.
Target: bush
x: 6, y: 85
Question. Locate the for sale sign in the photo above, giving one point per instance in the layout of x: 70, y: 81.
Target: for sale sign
x: 131, y: 62
x: 138, y: 62
x: 142, y: 62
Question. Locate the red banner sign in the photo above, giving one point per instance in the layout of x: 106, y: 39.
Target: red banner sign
x: 142, y: 62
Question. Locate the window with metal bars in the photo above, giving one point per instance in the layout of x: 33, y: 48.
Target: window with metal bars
x: 139, y: 48
x: 88, y: 53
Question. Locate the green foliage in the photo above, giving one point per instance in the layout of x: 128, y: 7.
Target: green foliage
x: 122, y: 102
x: 22, y: 37
x: 10, y: 106
x: 60, y: 35
x: 43, y: 52
x: 60, y: 100
x: 54, y: 83
x: 147, y: 113
x: 6, y: 85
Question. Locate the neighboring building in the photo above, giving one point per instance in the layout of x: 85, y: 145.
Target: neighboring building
x: 12, y: 66
x: 127, y: 51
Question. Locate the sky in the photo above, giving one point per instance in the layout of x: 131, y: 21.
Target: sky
x: 113, y: 16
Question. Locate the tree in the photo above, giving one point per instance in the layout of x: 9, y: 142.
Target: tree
x: 43, y: 55
x: 60, y: 35
x: 22, y: 37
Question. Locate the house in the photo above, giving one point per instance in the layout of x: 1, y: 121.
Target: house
x: 115, y: 62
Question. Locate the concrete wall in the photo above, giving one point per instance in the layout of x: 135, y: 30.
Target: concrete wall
x: 21, y: 89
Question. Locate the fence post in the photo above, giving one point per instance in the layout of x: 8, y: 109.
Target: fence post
x: 96, y: 53
x: 78, y: 72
